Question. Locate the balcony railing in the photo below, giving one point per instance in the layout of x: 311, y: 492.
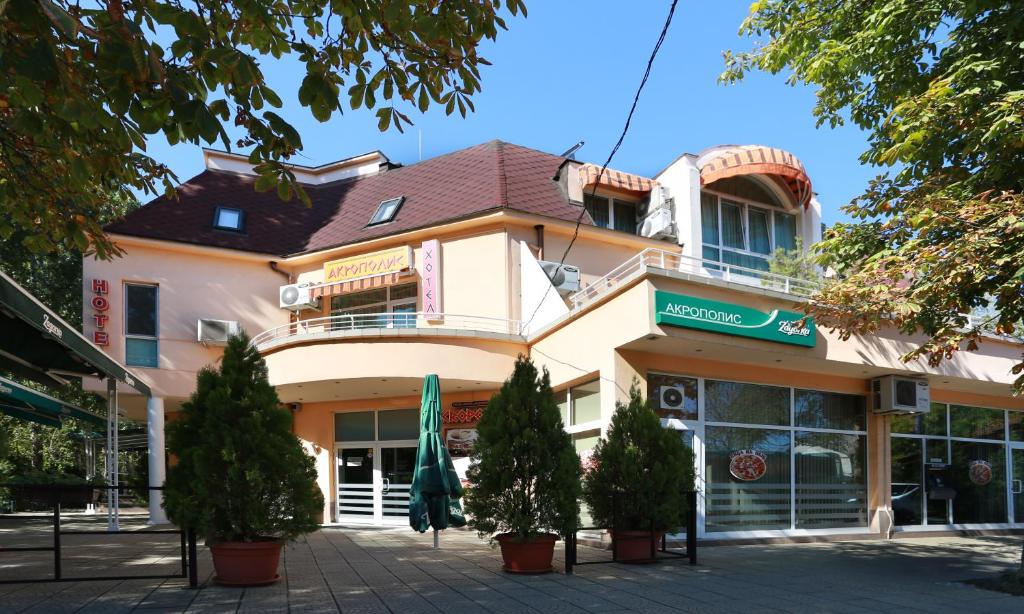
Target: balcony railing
x: 652, y: 258
x: 341, y: 325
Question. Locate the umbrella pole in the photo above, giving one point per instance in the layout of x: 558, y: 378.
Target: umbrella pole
x: 436, y: 540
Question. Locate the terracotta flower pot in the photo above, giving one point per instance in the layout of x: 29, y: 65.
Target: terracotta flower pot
x: 533, y: 556
x: 246, y: 563
x: 635, y: 546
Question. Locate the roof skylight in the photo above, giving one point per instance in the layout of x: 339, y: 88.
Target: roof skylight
x: 229, y: 219
x: 386, y: 210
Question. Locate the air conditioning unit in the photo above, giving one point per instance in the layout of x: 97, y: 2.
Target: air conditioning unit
x: 564, y: 277
x: 672, y: 397
x: 659, y: 224
x: 216, y: 332
x: 892, y: 394
x: 297, y: 297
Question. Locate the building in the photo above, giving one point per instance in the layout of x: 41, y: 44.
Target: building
x: 450, y: 266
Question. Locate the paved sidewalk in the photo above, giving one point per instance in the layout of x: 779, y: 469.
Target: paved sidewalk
x: 395, y: 570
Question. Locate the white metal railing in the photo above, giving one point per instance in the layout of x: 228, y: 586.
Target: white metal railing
x: 653, y: 258
x: 339, y: 324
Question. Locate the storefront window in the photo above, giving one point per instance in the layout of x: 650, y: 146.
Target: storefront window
x: 392, y: 307
x: 1016, y: 420
x: 399, y: 424
x: 976, y: 422
x: 907, y: 481
x: 354, y: 426
x: 673, y: 396
x: 585, y: 401
x: 746, y: 403
x: 932, y: 423
x: 748, y: 479
x: 831, y: 481
x: 828, y: 410
x: 978, y: 473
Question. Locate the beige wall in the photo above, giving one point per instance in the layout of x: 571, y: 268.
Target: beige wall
x: 192, y: 284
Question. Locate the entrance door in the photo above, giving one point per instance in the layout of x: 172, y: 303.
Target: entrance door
x: 374, y: 482
x: 397, y: 466
x: 1017, y: 483
x: 356, y: 484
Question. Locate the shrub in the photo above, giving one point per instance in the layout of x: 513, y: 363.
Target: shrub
x: 640, y: 472
x: 525, y: 476
x: 241, y: 475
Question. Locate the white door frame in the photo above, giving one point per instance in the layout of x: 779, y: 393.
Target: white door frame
x: 1014, y: 483
x: 377, y: 483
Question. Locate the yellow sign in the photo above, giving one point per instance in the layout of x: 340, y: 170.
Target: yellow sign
x: 392, y: 260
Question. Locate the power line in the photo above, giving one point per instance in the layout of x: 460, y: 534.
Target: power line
x: 618, y: 144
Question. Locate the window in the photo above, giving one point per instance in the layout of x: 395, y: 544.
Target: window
x: 743, y: 233
x: 386, y: 210
x: 229, y: 219
x: 140, y: 325
x: 746, y: 403
x: 580, y: 404
x: 611, y: 213
x: 391, y: 424
x: 391, y: 307
x: 672, y: 396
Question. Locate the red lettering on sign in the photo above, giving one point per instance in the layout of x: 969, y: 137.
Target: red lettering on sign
x: 99, y: 286
x: 101, y: 338
x: 101, y: 320
x: 100, y: 303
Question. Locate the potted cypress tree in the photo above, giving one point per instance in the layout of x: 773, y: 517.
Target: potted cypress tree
x: 242, y: 479
x: 525, y: 475
x: 638, y: 478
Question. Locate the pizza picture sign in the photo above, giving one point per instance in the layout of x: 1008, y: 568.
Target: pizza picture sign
x: 748, y: 465
x: 980, y: 472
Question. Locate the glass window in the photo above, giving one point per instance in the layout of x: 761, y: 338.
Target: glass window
x: 748, y: 478
x: 141, y: 352
x: 387, y: 210
x: 709, y: 218
x: 831, y: 480
x: 403, y: 291
x: 976, y: 422
x: 354, y: 426
x: 932, y: 423
x: 711, y: 253
x: 359, y: 299
x: 745, y: 260
x: 563, y: 405
x: 829, y: 410
x: 140, y: 310
x: 672, y: 396
x: 785, y: 231
x: 978, y: 473
x: 625, y: 216
x: 586, y: 402
x: 732, y: 225
x: 1016, y: 419
x: 907, y: 481
x: 760, y: 231
x: 398, y: 424
x: 228, y: 219
x: 597, y: 207
x: 746, y: 403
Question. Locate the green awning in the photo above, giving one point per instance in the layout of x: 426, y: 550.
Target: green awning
x: 37, y: 344
x: 21, y: 402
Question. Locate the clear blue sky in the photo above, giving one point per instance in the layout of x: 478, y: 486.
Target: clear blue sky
x: 569, y: 71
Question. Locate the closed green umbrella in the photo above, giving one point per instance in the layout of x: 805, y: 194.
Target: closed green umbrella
x: 436, y: 489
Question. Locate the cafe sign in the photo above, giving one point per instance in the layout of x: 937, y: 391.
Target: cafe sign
x: 718, y: 317
x: 394, y: 260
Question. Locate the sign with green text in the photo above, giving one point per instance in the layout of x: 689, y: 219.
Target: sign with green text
x: 718, y: 317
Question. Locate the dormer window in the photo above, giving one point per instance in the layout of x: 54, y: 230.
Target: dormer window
x: 229, y: 219
x: 611, y: 213
x: 386, y: 210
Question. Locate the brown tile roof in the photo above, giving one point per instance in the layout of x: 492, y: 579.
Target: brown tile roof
x: 456, y: 185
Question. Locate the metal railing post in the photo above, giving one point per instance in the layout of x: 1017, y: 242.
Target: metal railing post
x: 56, y: 536
x: 691, y: 526
x: 193, y: 562
x: 184, y: 554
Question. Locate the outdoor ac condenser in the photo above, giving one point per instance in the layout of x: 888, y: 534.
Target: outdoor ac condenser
x: 892, y: 394
x: 216, y: 332
x: 297, y: 297
x: 564, y: 277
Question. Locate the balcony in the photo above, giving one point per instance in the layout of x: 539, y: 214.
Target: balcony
x: 405, y: 324
x: 657, y: 261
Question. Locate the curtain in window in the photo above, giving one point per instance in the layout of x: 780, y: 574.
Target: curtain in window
x: 732, y: 225
x: 831, y: 484
x: 709, y: 219
x: 625, y: 217
x: 785, y: 231
x: 597, y: 207
x: 760, y: 237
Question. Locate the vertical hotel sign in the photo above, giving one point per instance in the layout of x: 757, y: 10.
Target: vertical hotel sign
x: 394, y: 260
x: 718, y: 317
x: 430, y: 279
x: 100, y: 306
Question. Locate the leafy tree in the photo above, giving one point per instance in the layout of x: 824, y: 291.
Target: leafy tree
x: 525, y: 476
x: 797, y: 263
x: 640, y: 472
x: 241, y: 474
x: 81, y: 89
x: 939, y: 87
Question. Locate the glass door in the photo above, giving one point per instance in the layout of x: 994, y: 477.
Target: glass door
x: 356, y: 496
x: 1017, y: 482
x: 397, y: 465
